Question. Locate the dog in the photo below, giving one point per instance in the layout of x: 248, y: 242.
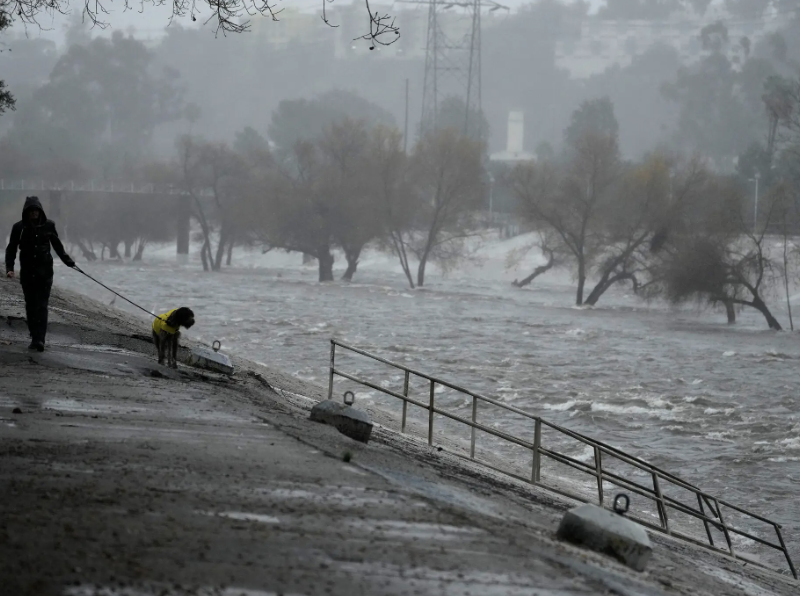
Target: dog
x: 166, y: 333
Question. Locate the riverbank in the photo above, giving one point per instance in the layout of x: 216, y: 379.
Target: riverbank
x: 121, y: 477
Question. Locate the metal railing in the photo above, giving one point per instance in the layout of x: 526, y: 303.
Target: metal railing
x: 98, y: 186
x: 664, y: 503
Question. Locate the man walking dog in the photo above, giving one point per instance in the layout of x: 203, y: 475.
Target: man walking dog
x: 34, y: 235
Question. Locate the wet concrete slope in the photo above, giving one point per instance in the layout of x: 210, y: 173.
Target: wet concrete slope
x: 121, y: 477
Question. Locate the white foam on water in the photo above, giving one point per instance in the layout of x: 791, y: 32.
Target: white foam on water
x: 243, y: 516
x: 94, y: 590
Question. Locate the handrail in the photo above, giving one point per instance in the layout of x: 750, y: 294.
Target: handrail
x: 106, y: 187
x: 663, y: 502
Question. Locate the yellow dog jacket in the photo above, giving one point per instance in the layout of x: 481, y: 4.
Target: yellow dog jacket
x: 160, y: 323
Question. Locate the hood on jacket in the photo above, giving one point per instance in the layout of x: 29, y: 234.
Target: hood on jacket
x: 33, y: 203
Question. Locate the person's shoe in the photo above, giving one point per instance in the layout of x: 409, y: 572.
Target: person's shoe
x: 39, y: 346
x: 33, y: 345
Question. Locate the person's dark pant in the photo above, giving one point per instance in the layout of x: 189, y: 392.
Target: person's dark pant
x: 37, y: 296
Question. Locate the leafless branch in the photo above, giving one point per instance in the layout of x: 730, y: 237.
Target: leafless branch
x: 381, y: 28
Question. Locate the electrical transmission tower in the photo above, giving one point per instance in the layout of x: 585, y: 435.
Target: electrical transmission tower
x: 453, y: 58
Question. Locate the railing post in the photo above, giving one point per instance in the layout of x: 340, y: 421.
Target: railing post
x: 705, y: 521
x: 430, y: 414
x: 662, y: 508
x: 785, y: 552
x: 724, y: 528
x: 330, y: 378
x: 537, y: 458
x: 598, y: 470
x: 405, y: 403
x: 474, y: 420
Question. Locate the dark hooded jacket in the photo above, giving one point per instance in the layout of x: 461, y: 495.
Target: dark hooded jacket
x: 34, y: 241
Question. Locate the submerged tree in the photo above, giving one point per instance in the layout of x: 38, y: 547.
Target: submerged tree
x: 573, y: 200
x: 387, y: 166
x: 446, y: 175
x: 353, y: 211
x: 216, y: 179
x: 713, y: 255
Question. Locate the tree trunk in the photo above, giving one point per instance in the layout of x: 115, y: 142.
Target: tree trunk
x: 598, y: 291
x: 229, y: 257
x: 759, y: 305
x: 87, y: 253
x: 325, y: 259
x: 581, y: 282
x: 221, y: 246
x: 605, y: 283
x: 204, y: 256
x: 421, y: 270
x: 352, y: 256
x: 128, y: 246
x: 113, y: 251
x: 730, y: 311
x: 140, y: 250
x: 205, y: 251
x: 399, y: 246
x: 536, y: 273
x: 183, y: 224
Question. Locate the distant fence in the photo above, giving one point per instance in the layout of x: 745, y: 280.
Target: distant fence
x: 607, y: 467
x: 103, y: 186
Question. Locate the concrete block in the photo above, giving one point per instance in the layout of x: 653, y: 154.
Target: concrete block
x: 210, y: 360
x: 346, y: 419
x: 326, y: 411
x: 354, y: 424
x: 607, y: 532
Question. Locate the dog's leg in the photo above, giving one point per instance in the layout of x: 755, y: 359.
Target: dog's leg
x: 163, y: 346
x: 175, y: 339
x: 159, y: 350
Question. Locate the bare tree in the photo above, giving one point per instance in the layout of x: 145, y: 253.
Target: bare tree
x: 296, y: 213
x: 387, y: 167
x: 716, y: 257
x: 573, y: 200
x: 212, y: 174
x: 650, y: 199
x: 353, y: 213
x: 544, y: 244
x: 447, y: 176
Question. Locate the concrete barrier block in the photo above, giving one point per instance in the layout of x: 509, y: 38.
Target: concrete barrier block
x: 326, y: 411
x: 607, y: 532
x: 210, y: 360
x: 346, y: 419
x: 354, y: 424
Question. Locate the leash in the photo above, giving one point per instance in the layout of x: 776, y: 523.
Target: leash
x: 79, y: 270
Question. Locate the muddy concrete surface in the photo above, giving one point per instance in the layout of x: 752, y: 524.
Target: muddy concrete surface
x: 122, y: 477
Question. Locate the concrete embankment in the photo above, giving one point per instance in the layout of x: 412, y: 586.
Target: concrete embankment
x: 121, y: 477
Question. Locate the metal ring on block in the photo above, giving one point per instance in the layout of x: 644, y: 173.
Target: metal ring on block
x: 216, y: 345
x: 349, y: 398
x: 622, y: 510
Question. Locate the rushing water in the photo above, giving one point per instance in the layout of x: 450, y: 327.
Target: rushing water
x: 712, y: 403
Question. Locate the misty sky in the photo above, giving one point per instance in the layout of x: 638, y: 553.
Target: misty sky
x: 153, y: 19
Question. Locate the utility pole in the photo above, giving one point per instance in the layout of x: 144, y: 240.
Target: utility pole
x: 491, y: 198
x: 755, y: 203
x: 405, y: 126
